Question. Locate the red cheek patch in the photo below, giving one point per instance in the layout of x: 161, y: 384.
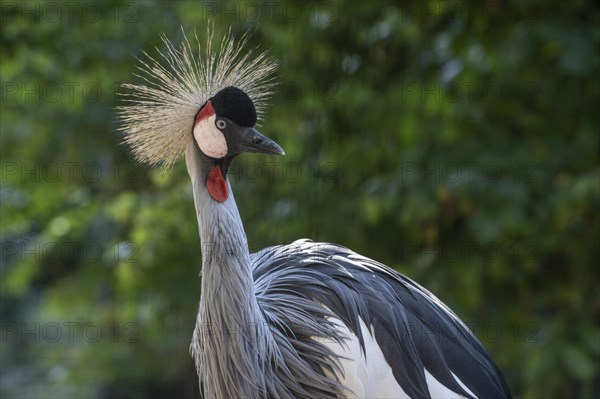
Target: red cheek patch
x: 217, y: 185
x: 205, y: 112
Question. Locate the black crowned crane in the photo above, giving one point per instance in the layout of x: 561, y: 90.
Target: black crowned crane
x: 303, y: 320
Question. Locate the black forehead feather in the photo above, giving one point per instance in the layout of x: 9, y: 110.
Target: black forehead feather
x: 232, y: 103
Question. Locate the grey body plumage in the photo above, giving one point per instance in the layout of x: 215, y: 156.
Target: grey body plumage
x: 414, y: 328
x: 268, y: 323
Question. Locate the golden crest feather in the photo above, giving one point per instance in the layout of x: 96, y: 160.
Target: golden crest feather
x: 158, y: 115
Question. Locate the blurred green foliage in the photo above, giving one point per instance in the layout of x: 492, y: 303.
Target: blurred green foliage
x: 454, y: 141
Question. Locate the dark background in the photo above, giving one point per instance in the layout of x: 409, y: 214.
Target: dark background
x: 455, y: 141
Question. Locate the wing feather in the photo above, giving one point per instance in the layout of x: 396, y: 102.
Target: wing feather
x: 416, y: 332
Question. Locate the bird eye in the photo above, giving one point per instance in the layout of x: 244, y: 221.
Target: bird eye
x: 221, y: 124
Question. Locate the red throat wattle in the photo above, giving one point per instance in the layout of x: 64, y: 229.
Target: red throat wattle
x: 217, y: 185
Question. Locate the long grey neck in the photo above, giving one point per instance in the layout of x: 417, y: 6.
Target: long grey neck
x: 222, y: 235
x: 229, y: 338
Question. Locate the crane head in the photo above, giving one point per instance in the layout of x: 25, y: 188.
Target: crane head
x: 186, y: 99
x: 224, y: 128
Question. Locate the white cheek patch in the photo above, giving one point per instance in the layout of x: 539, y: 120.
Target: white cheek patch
x: 210, y: 139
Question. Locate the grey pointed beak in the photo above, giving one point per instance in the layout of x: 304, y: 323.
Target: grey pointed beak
x: 253, y: 141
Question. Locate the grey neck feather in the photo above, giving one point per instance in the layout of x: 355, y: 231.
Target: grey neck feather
x: 231, y: 342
